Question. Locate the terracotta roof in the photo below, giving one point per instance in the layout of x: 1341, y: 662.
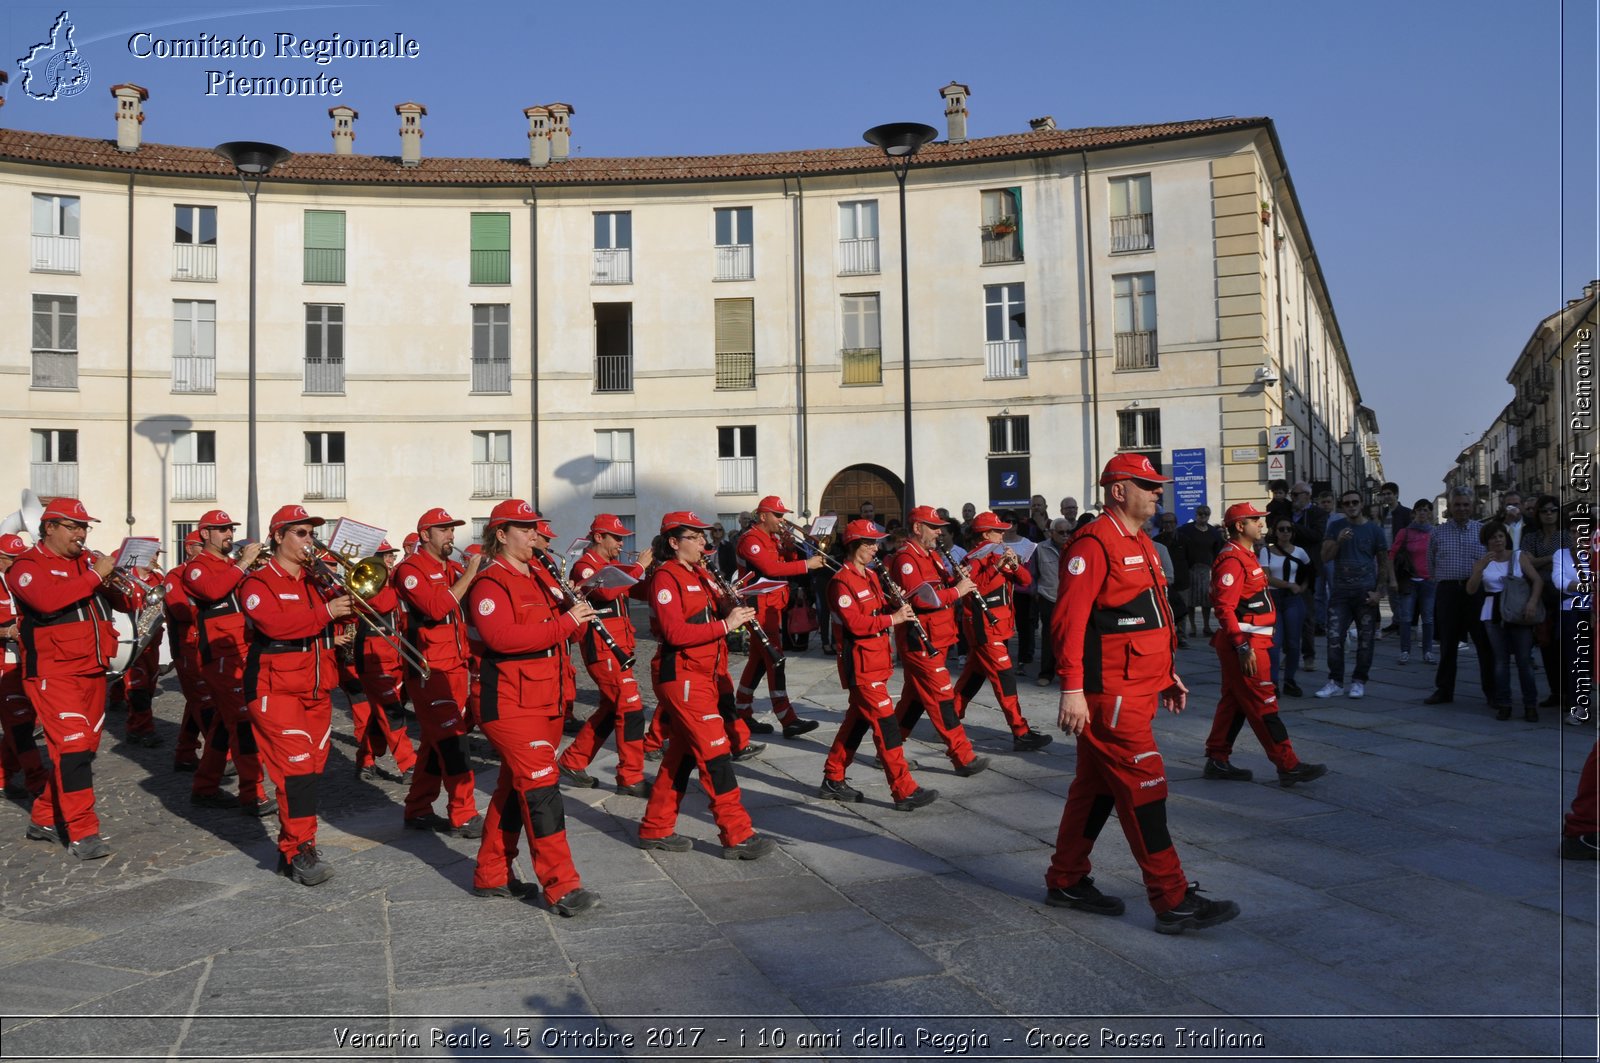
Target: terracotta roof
x: 18, y: 145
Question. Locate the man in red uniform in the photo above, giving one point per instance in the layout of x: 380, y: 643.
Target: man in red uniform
x: 67, y: 643
x: 289, y: 676
x: 1245, y: 620
x: 211, y: 581
x: 18, y: 751
x: 380, y: 723
x: 918, y: 570
x: 431, y: 586
x: 1115, y: 637
x: 765, y: 549
x: 988, y: 618
x: 183, y: 642
x: 143, y: 675
x: 863, y: 623
x: 621, y: 709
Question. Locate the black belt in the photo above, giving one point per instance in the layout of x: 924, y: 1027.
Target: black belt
x: 496, y: 658
x: 285, y: 645
x: 70, y: 616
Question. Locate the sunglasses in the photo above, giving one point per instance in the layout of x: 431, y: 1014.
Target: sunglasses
x: 1147, y: 485
x: 1350, y: 501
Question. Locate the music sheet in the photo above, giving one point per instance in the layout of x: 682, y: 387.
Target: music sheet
x: 354, y: 540
x: 137, y: 551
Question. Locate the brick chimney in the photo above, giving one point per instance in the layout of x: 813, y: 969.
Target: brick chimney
x: 410, y: 132
x: 130, y: 114
x: 955, y: 111
x: 560, y: 132
x: 1042, y: 123
x: 538, y: 135
x: 344, y: 128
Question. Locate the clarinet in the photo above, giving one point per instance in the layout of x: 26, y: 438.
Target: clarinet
x: 727, y: 590
x: 962, y: 573
x: 900, y: 598
x: 599, y: 625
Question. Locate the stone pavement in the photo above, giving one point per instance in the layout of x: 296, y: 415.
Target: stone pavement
x: 1411, y: 903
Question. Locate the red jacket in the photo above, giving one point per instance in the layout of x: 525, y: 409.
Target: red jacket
x: 291, y: 642
x: 685, y: 620
x: 374, y: 654
x: 181, y: 634
x: 1240, y: 599
x: 64, y: 615
x: 994, y: 584
x: 1112, y: 626
x: 758, y: 552
x: 912, y: 567
x: 544, y: 567
x: 9, y: 647
x: 211, y: 582
x: 523, y: 639
x: 436, y: 626
x: 610, y: 605
x: 862, y: 614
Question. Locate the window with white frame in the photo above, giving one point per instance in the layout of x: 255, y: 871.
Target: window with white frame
x: 54, y: 468
x: 735, y: 261
x: 858, y: 236
x: 1005, y: 347
x: 1139, y: 429
x: 55, y: 234
x: 55, y: 341
x: 613, y: 454
x: 491, y: 464
x: 194, y: 345
x: 1001, y: 232
x: 861, y: 351
x: 491, y: 348
x: 1131, y: 218
x: 325, y: 466
x: 324, y: 370
x: 1135, y: 305
x: 194, y: 243
x: 736, y: 459
x: 613, y: 247
x: 194, y: 466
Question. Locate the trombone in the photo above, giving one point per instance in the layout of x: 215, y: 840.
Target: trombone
x: 363, y: 579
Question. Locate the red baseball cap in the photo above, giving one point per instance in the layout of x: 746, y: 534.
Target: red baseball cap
x: 473, y: 550
x: 67, y: 509
x: 410, y: 541
x: 216, y: 519
x: 513, y: 511
x: 192, y: 539
x: 987, y: 522
x: 288, y: 515
x: 437, y: 518
x: 12, y: 546
x: 1131, y: 467
x: 863, y: 529
x: 1242, y: 511
x: 926, y: 515
x: 385, y: 548
x: 684, y: 518
x: 772, y: 504
x: 608, y: 524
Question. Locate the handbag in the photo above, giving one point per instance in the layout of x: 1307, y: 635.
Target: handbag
x: 801, y: 618
x: 1514, y: 598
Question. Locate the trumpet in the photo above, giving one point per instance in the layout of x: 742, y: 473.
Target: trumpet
x: 901, y: 598
x: 804, y: 543
x: 118, y: 580
x: 361, y: 580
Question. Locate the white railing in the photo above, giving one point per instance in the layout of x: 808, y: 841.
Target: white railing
x: 191, y: 373
x: 194, y: 482
x: 1136, y: 350
x: 491, y: 479
x: 858, y: 256
x: 1004, y: 359
x: 736, y: 476
x: 55, y: 369
x: 325, y: 378
x: 325, y: 482
x: 55, y: 254
x: 613, y: 265
x: 735, y: 262
x: 1131, y: 232
x: 194, y: 262
x: 616, y: 478
x: 491, y: 377
x: 54, y: 479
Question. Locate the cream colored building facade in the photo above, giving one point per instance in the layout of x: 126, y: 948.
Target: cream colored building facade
x: 639, y: 335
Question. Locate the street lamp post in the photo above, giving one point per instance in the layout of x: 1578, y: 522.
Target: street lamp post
x: 900, y: 141
x: 252, y: 159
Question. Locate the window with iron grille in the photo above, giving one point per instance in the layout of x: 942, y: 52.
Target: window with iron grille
x: 1001, y: 233
x: 1131, y: 217
x: 491, y: 464
x: 491, y: 348
x: 613, y: 454
x: 1138, y: 429
x: 324, y: 465
x: 55, y: 234
x: 194, y: 466
x: 613, y: 247
x: 1135, y: 304
x: 324, y: 370
x: 491, y: 248
x: 1008, y: 435
x: 54, y: 469
x: 861, y: 353
x: 55, y: 341
x: 736, y: 459
x: 858, y: 236
x: 613, y: 346
x: 736, y: 344
x: 734, y: 244
x: 194, y: 345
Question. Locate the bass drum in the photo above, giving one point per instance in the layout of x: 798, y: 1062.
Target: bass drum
x: 125, y: 642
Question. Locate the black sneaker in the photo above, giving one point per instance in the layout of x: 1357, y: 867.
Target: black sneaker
x: 751, y: 751
x: 634, y: 789
x: 406, y: 776
x: 578, y: 777
x: 1085, y: 897
x: 185, y: 765
x: 148, y: 739
x: 1293, y: 690
x: 214, y: 800
x: 1583, y: 847
x: 472, y: 828
x: 752, y: 848
x: 261, y: 809
x: 973, y: 767
x: 514, y: 887
x: 839, y: 790
x: 800, y: 727
x: 307, y: 866
x: 672, y: 843
x: 916, y: 799
x: 1301, y: 772
x: 1031, y: 741
x: 572, y: 726
x: 427, y: 821
x: 759, y: 727
x: 1221, y: 769
x: 576, y: 902
x: 38, y: 832
x: 652, y: 754
x: 369, y: 773
x: 93, y: 847
x: 1195, y: 912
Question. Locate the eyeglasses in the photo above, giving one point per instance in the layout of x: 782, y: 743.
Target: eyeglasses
x: 70, y: 525
x: 299, y: 533
x: 1350, y: 501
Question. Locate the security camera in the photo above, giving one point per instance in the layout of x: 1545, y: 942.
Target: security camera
x: 1266, y: 375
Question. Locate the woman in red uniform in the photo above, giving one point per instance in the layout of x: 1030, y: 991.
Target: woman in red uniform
x: 380, y: 722
x: 289, y: 676
x: 520, y: 706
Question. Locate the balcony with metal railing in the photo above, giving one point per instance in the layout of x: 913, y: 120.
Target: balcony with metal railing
x: 1000, y: 245
x: 1541, y: 436
x: 325, y: 483
x: 324, y: 378
x: 735, y: 262
x: 1132, y: 232
x: 55, y: 254
x: 194, y: 262
x: 192, y: 374
x: 491, y: 479
x: 858, y: 256
x: 55, y: 369
x: 1136, y: 350
x: 861, y: 365
x: 54, y: 479
x: 613, y: 372
x: 491, y: 376
x: 194, y: 482
x: 615, y: 478
x: 736, y: 371
x: 613, y: 265
x: 1005, y: 359
x: 736, y: 476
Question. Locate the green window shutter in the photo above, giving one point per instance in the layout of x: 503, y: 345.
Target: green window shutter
x: 491, y: 249
x: 324, y: 247
x: 1015, y: 195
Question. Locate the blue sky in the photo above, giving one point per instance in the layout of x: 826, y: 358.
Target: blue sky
x: 1426, y: 139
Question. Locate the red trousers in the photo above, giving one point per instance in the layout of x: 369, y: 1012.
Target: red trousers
x: 762, y: 665
x: 927, y: 689
x: 621, y: 710
x: 440, y: 704
x: 73, y: 710
x: 232, y: 732
x: 141, y: 680
x: 871, y: 709
x: 18, y: 751
x: 988, y: 659
x: 733, y: 724
x: 1584, y: 818
x: 1119, y: 768
x: 292, y: 731
x: 696, y: 740
x: 1249, y: 698
x: 526, y: 799
x: 199, y: 706
x: 380, y: 723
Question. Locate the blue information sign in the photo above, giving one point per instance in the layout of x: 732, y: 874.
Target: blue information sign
x: 1189, y: 482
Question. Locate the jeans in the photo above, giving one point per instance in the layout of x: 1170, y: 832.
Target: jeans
x: 1510, y: 640
x: 1286, y: 636
x: 1417, y: 603
x: 1456, y: 612
x: 1343, y: 608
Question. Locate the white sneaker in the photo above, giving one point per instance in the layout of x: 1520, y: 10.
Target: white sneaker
x: 1405, y: 656
x: 1330, y: 689
x: 1358, y: 690
x: 1430, y: 658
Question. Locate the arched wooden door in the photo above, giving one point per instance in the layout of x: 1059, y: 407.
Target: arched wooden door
x: 858, y: 484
